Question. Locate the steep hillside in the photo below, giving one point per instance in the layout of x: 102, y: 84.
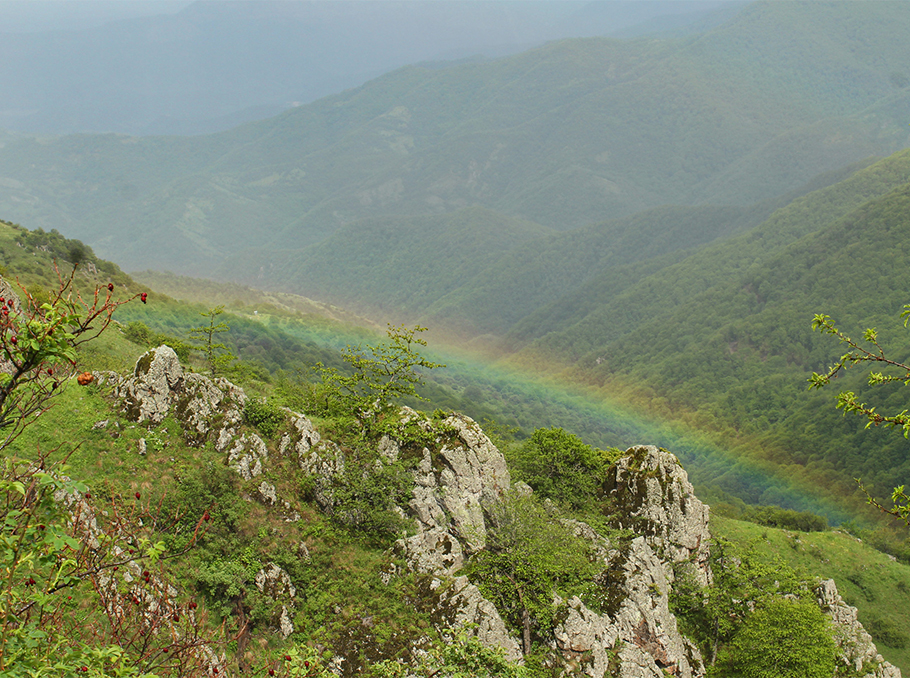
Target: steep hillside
x: 568, y: 134
x: 722, y: 339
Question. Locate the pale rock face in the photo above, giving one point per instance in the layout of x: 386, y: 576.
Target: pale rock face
x: 159, y: 384
x: 273, y: 581
x: 285, y: 625
x: 433, y: 551
x: 147, y: 394
x: 636, y: 635
x: 267, y: 493
x: 247, y: 454
x: 654, y: 498
x: 857, y: 649
x: 202, y: 400
x: 467, y: 606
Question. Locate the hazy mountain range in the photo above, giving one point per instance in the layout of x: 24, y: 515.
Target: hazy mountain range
x: 166, y: 67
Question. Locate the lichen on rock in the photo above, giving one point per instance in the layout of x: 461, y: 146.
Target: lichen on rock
x: 856, y: 648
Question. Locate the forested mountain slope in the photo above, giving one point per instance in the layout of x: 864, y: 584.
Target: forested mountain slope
x: 565, y: 135
x: 722, y: 339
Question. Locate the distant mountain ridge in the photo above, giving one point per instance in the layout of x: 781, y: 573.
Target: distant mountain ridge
x: 563, y: 136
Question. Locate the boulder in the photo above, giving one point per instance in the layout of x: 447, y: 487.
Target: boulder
x: 463, y: 606
x: 207, y: 408
x: 148, y: 394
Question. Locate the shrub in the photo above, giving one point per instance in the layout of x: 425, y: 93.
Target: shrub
x: 264, y: 415
x: 783, y: 638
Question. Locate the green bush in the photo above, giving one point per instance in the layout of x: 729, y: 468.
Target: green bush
x: 787, y: 519
x: 783, y: 638
x: 886, y: 632
x: 561, y: 467
x: 264, y: 415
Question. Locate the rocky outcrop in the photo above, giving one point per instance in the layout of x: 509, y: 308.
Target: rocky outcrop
x: 464, y: 606
x: 653, y: 497
x: 857, y: 650
x: 634, y: 634
x: 206, y: 408
x: 148, y: 394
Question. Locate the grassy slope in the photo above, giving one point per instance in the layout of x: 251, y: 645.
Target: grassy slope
x: 871, y: 581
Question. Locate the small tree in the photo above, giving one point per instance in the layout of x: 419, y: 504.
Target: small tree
x: 216, y: 354
x: 378, y: 375
x: 528, y: 555
x: 560, y: 466
x: 848, y: 401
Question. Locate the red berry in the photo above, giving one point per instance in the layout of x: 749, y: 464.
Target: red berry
x: 50, y: 371
x: 306, y: 664
x: 271, y: 672
x: 115, y: 568
x: 287, y: 657
x: 110, y: 287
x: 138, y: 496
x: 87, y: 495
x: 205, y: 516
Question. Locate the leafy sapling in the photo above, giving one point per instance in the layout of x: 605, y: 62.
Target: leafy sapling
x: 848, y: 401
x: 217, y: 355
x: 377, y: 375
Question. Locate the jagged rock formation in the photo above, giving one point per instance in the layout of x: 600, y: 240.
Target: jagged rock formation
x: 208, y: 409
x: 159, y: 384
x: 452, y: 484
x: 458, y: 474
x: 635, y: 635
x: 857, y: 651
x: 653, y: 497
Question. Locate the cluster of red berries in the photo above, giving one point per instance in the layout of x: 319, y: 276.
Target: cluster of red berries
x: 143, y: 297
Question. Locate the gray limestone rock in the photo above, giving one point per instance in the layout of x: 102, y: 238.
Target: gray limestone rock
x: 206, y: 408
x: 285, y: 626
x: 267, y: 493
x: 433, y: 551
x: 857, y: 650
x: 202, y: 400
x: 464, y: 605
x: 635, y: 634
x: 247, y: 454
x: 653, y: 497
x: 147, y: 395
x: 273, y: 581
